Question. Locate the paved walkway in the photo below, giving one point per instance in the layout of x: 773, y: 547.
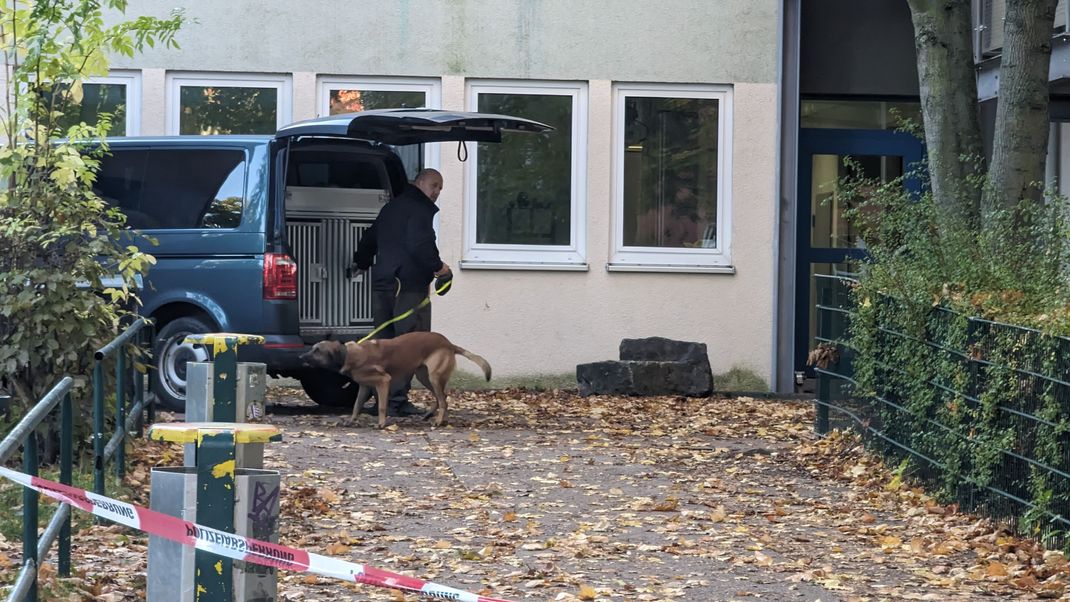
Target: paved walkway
x: 553, y: 497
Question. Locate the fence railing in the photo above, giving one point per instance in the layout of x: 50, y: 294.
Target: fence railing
x: 980, y: 408
x: 25, y: 435
x: 125, y: 419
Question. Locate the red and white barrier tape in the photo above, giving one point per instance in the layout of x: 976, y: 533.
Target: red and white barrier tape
x: 236, y: 547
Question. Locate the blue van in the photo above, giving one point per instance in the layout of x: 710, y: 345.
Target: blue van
x: 255, y: 233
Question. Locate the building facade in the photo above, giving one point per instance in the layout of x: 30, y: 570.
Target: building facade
x: 688, y: 190
x: 650, y: 210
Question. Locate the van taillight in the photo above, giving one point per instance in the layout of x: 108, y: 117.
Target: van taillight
x: 280, y: 276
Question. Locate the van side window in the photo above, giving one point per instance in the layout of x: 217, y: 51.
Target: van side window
x: 225, y: 210
x: 194, y: 188
x: 175, y: 188
x: 119, y: 183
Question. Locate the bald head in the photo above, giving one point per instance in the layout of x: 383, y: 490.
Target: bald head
x: 429, y: 181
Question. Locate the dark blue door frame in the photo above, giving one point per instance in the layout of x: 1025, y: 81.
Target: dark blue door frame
x: 834, y: 142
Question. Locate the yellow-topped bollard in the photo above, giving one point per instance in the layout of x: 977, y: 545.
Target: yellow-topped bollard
x: 220, y: 340
x: 224, y: 347
x: 194, y: 432
x: 227, y: 497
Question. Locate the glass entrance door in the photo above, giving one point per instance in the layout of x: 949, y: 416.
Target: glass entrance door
x: 826, y: 243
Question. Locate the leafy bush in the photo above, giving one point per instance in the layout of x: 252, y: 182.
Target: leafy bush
x: 1014, y: 267
x: 955, y: 327
x: 59, y: 242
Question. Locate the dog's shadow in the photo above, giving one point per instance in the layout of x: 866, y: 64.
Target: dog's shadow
x: 286, y: 409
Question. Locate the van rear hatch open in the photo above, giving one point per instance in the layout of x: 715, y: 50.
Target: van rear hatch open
x: 399, y: 127
x: 334, y: 189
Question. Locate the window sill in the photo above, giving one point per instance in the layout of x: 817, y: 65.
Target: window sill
x: 670, y: 268
x: 468, y: 264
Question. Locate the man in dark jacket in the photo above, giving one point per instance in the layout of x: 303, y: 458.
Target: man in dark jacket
x: 401, y: 242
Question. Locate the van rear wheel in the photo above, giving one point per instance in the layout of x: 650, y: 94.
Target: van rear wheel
x: 329, y: 389
x: 171, y: 353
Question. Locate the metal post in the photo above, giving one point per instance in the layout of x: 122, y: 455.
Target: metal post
x: 120, y: 412
x: 225, y: 380
x: 98, y: 428
x: 824, y: 327
x: 149, y: 334
x: 29, y: 510
x: 139, y: 382
x: 213, y: 575
x: 823, y: 388
x: 972, y: 340
x: 881, y: 375
x: 147, y: 343
x: 139, y: 396
x: 152, y: 398
x: 66, y: 459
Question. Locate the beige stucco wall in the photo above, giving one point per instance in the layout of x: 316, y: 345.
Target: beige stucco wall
x: 547, y: 322
x: 721, y: 41
x: 539, y: 321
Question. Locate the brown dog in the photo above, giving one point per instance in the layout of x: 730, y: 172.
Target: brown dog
x: 429, y: 356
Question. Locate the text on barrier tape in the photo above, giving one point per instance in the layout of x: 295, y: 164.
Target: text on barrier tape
x: 236, y: 547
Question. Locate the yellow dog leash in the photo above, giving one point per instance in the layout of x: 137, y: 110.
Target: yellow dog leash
x: 408, y: 313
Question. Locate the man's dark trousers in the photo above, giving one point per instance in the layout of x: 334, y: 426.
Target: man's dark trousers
x: 386, y: 306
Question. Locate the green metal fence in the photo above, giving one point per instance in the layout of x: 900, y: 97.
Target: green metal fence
x: 126, y: 419
x: 27, y: 436
x: 981, y: 409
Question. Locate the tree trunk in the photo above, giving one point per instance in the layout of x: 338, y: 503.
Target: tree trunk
x: 943, y: 31
x: 1020, y: 147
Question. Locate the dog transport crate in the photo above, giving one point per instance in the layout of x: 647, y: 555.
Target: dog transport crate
x: 323, y: 226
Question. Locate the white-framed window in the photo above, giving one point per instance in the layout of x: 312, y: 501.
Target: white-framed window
x: 526, y: 197
x: 117, y: 94
x: 214, y: 103
x: 672, y: 177
x: 341, y: 94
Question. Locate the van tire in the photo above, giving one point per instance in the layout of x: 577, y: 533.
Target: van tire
x: 329, y: 389
x: 171, y: 354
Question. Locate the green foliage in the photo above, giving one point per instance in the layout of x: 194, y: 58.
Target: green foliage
x: 739, y: 378
x: 1014, y: 267
x: 934, y: 347
x: 58, y: 239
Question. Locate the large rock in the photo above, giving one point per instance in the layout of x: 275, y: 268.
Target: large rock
x: 669, y: 378
x: 650, y: 366
x: 660, y: 349
x: 604, y: 378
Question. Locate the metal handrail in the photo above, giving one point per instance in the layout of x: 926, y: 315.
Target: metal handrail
x: 24, y: 434
x: 33, y: 418
x: 124, y: 417
x: 120, y: 340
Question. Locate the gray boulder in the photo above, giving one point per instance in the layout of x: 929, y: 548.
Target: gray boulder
x: 651, y: 366
x: 604, y: 378
x: 660, y: 349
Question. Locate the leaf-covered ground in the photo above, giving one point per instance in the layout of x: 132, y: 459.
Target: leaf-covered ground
x: 550, y: 496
